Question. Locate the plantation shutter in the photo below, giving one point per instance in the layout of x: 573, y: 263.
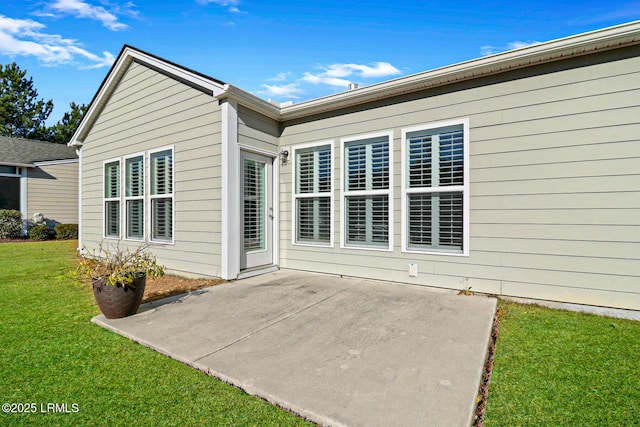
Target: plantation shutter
x: 135, y: 178
x: 134, y: 194
x: 112, y: 199
x: 367, y: 171
x: 112, y: 180
x: 162, y: 173
x: 435, y: 178
x: 313, y: 194
x: 254, y: 205
x: 162, y: 195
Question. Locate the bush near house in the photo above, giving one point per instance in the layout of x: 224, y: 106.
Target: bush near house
x: 10, y: 223
x: 41, y: 232
x: 66, y: 231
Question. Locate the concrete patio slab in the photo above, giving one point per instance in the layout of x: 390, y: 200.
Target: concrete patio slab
x: 336, y: 351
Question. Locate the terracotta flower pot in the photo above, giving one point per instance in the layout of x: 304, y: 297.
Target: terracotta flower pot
x: 116, y: 301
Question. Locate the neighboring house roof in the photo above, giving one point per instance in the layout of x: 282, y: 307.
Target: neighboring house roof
x: 574, y: 46
x: 26, y: 152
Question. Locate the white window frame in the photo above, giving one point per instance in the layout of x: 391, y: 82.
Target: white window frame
x: 125, y: 218
x: 111, y: 199
x: 151, y: 197
x: 406, y: 191
x: 344, y: 193
x: 18, y: 173
x: 295, y: 196
x: 21, y: 176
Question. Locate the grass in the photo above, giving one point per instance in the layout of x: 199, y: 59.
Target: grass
x: 50, y: 352
x: 560, y: 368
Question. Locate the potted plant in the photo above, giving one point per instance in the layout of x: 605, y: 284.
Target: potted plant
x: 118, y: 277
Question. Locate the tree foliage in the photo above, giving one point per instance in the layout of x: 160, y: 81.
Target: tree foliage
x: 23, y: 115
x: 62, y: 131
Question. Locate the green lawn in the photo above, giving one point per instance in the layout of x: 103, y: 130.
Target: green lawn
x: 560, y: 368
x: 50, y: 352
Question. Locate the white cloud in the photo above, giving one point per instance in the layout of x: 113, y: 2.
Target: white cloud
x: 280, y: 77
x: 326, y: 80
x: 291, y: 90
x: 333, y: 75
x: 490, y: 50
x: 221, y: 2
x: 24, y: 37
x: 82, y: 9
x: 323, y: 78
x: 232, y: 4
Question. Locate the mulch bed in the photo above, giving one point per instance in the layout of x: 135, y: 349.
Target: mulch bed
x: 169, y: 285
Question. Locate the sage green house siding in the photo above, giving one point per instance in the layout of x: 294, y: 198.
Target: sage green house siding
x: 52, y: 190
x: 551, y: 188
x: 150, y: 110
x: 554, y: 183
x: 256, y: 131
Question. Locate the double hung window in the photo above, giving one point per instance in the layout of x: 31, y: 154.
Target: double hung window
x: 313, y: 194
x: 161, y: 165
x: 435, y: 201
x: 366, y: 187
x: 112, y: 199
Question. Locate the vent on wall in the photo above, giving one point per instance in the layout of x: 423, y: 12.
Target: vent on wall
x: 413, y: 270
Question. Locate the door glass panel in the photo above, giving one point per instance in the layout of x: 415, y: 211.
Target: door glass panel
x: 254, y: 205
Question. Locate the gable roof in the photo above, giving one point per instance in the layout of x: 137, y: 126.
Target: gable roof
x: 26, y: 152
x: 574, y: 46
x: 127, y: 56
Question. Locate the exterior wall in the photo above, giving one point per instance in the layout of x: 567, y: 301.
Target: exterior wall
x: 147, y: 111
x: 52, y: 190
x: 554, y: 183
x: 257, y: 131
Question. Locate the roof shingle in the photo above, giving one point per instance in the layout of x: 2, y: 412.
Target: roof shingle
x: 19, y: 151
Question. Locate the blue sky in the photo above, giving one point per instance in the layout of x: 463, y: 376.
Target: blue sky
x: 283, y: 50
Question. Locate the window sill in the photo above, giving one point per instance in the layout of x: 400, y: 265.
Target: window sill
x: 368, y: 248
x: 435, y: 252
x: 313, y: 245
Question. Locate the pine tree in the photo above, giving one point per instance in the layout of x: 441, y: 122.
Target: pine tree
x: 21, y: 113
x: 62, y: 131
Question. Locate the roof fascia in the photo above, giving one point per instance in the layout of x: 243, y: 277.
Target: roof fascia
x: 250, y: 101
x: 56, y: 162
x: 18, y: 165
x: 582, y: 44
x: 124, y: 60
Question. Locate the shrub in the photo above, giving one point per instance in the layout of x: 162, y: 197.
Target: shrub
x: 66, y: 231
x: 10, y: 224
x: 40, y: 232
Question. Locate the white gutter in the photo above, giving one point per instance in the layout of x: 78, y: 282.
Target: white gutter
x: 18, y: 165
x: 55, y: 162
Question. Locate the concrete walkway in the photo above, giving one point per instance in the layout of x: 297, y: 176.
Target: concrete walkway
x: 337, y: 351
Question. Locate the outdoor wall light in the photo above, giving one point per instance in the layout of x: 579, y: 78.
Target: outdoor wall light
x: 284, y: 155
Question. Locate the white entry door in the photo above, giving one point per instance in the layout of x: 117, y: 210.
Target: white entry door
x: 257, y: 211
